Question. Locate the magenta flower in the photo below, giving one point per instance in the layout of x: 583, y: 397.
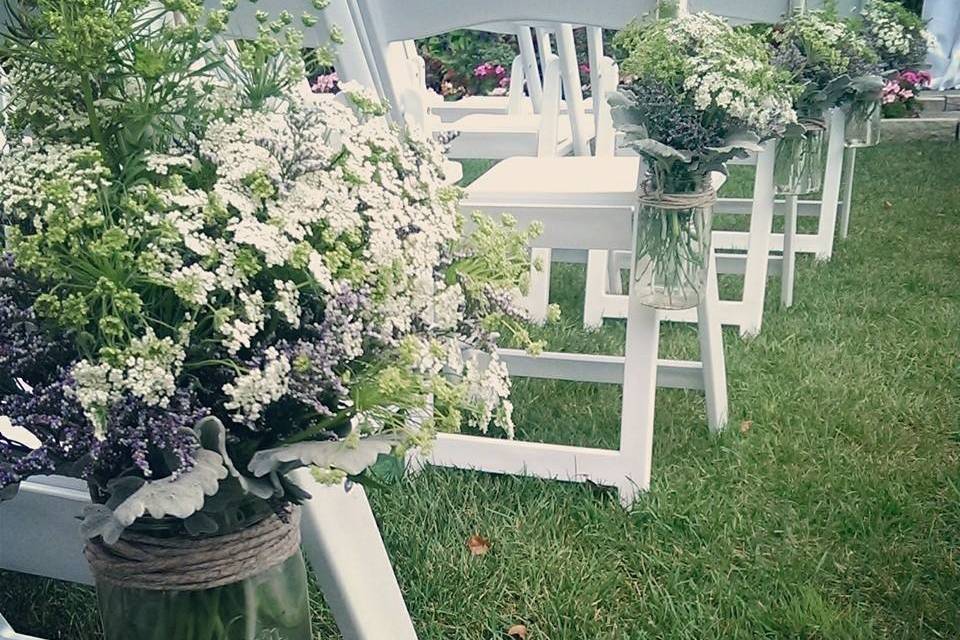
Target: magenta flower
x: 326, y: 83
x: 499, y: 70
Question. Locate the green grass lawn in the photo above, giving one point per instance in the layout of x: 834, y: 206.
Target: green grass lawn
x: 830, y: 509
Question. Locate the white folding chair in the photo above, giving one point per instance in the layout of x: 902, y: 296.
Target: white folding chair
x: 585, y: 203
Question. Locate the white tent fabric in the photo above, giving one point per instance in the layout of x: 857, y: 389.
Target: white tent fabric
x: 944, y: 56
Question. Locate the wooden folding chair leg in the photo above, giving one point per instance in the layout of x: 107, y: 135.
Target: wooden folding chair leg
x: 596, y: 288
x: 538, y: 297
x: 850, y: 165
x: 758, y: 249
x: 711, y: 352
x: 343, y: 544
x: 615, y: 261
x: 831, y: 185
x: 789, y: 268
x: 639, y: 398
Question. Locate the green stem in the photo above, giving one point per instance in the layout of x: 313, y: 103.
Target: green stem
x: 87, y: 89
x: 319, y: 427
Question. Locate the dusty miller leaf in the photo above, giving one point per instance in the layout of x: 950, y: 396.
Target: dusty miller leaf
x: 351, y: 458
x: 213, y: 436
x: 179, y: 497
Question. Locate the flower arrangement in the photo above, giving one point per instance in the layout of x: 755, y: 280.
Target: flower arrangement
x: 209, y: 281
x: 699, y: 94
x: 900, y: 94
x: 898, y: 35
x: 828, y: 57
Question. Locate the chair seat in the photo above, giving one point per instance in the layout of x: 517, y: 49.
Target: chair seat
x: 569, y: 181
x: 490, y: 136
x: 454, y: 110
x: 572, y: 181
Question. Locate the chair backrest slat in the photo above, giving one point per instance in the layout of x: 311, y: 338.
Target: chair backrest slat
x: 402, y: 19
x: 746, y: 11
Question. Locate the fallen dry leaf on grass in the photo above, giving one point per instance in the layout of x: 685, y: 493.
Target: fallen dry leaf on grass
x: 745, y: 426
x: 517, y: 631
x: 887, y: 204
x: 478, y: 545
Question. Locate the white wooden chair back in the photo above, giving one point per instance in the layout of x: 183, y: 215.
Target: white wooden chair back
x: 385, y: 21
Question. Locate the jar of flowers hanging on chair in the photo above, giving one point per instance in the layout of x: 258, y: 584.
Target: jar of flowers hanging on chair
x: 700, y: 93
x: 836, y: 68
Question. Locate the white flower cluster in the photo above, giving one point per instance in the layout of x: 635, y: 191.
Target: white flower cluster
x: 58, y: 180
x: 731, y: 78
x: 288, y: 302
x: 316, y: 203
x: 252, y: 392
x: 147, y: 369
x: 488, y: 384
x: 889, y: 34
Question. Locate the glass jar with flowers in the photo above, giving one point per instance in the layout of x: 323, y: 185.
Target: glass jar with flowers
x: 700, y: 93
x: 209, y: 280
x: 836, y: 67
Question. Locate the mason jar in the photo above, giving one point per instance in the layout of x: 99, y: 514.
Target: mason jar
x: 863, y: 124
x: 799, y: 161
x: 673, y: 244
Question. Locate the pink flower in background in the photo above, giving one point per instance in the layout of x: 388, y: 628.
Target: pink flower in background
x: 484, y: 69
x: 919, y: 79
x: 489, y: 69
x: 504, y: 82
x: 326, y: 83
x: 891, y: 91
x: 584, y: 68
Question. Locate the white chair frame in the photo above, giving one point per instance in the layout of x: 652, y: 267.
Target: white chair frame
x: 849, y: 172
x: 587, y: 227
x: 611, y: 227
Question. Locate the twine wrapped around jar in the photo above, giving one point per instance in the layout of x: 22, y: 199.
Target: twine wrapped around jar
x: 647, y: 197
x: 192, y: 564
